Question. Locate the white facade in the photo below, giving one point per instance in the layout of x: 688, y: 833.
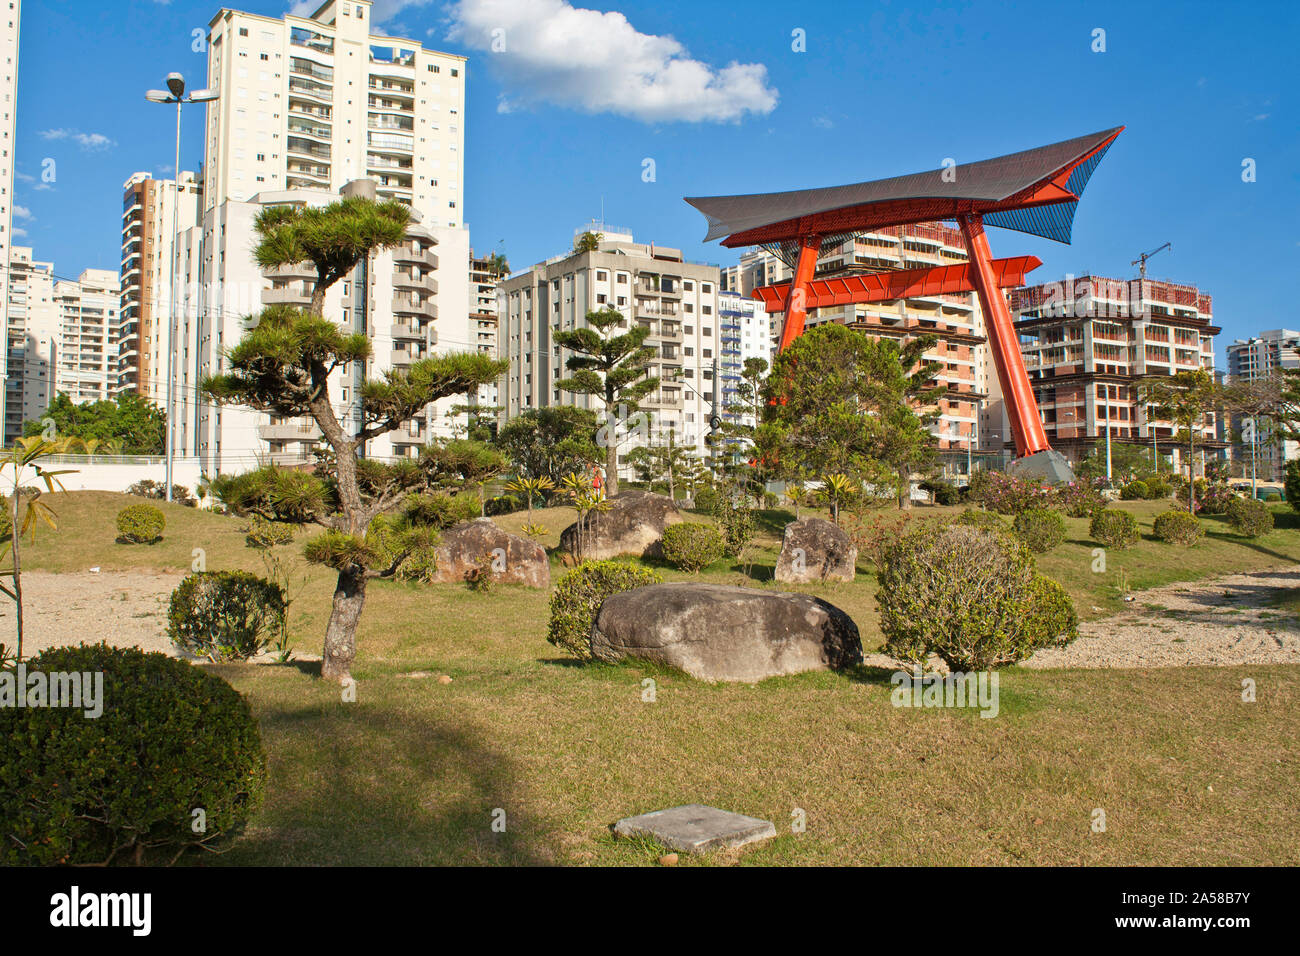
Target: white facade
x: 397, y: 298
x: 317, y: 102
x: 653, y: 287
x: 746, y: 333
x: 9, y: 17
x: 32, y: 333
x: 85, y: 357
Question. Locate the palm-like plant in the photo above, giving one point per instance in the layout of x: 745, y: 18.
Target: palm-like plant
x: 25, y: 459
x: 797, y: 495
x: 530, y: 488
x: 838, y: 488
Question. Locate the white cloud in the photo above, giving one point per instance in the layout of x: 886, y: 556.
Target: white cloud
x: 91, y: 142
x: 24, y: 177
x: 22, y: 212
x: 19, y: 232
x: 599, y: 63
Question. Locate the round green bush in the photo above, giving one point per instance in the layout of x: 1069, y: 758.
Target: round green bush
x: 1135, y: 491
x: 707, y: 499
x: 1249, y: 518
x: 225, y: 615
x: 690, y: 546
x: 1178, y: 527
x: 1157, y: 489
x: 988, y: 520
x: 1113, y: 527
x: 578, y: 596
x: 968, y: 595
x: 1041, y: 529
x: 140, y: 524
x: 127, y: 786
x: 1272, y: 496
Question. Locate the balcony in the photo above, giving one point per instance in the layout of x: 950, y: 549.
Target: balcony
x: 406, y: 305
x: 405, y: 280
x: 293, y: 295
x: 401, y: 330
x: 288, y: 431
x: 425, y: 256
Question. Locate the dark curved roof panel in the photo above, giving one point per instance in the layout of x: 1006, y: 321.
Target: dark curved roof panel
x: 1033, y: 191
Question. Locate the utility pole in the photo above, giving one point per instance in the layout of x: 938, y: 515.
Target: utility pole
x: 1107, y: 388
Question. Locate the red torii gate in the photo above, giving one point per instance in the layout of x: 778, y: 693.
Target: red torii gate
x: 1035, y: 191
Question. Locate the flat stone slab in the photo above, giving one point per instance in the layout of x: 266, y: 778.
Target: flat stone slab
x: 695, y: 828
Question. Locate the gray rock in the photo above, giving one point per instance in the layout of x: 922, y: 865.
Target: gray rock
x: 695, y: 828
x: 463, y: 546
x: 814, y: 550
x: 720, y: 633
x: 634, y: 524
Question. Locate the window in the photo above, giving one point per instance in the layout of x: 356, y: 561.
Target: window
x: 243, y: 32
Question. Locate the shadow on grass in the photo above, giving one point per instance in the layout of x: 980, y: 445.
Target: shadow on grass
x: 362, y: 784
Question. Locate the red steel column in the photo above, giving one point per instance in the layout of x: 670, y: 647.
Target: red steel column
x: 1022, y: 409
x: 796, y: 309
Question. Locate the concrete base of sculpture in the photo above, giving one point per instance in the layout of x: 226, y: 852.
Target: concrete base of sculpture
x: 1049, y: 466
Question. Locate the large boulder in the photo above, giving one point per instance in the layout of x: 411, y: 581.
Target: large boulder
x: 721, y: 633
x: 813, y: 550
x: 462, y: 547
x: 634, y: 524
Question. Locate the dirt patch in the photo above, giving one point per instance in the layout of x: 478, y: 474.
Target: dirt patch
x: 1223, y: 622
x: 124, y: 609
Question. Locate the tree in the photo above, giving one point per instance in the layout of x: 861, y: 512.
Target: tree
x: 1264, y: 400
x: 498, y: 264
x: 665, y: 462
x: 530, y: 488
x: 839, y: 402
x: 588, y: 242
x: 740, y: 420
x: 1184, y: 398
x: 551, y: 441
x: 612, y: 367
x: 25, y: 459
x: 283, y: 366
x: 128, y: 424
x: 463, y: 463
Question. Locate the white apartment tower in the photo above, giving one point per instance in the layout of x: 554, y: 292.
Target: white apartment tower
x: 1266, y: 354
x: 85, y: 359
x: 317, y: 102
x: 654, y: 287
x: 8, y: 111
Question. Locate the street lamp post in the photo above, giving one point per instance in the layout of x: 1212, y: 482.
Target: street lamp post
x: 175, y: 93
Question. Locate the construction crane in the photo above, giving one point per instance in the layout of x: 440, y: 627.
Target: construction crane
x: 1147, y: 255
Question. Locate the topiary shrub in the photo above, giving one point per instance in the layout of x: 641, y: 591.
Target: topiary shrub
x: 968, y: 595
x: 440, y: 510
x: 737, y: 524
x: 263, y: 534
x: 389, y: 536
x: 1135, y: 491
x: 126, y: 786
x: 1157, y: 489
x: 1178, y: 527
x: 578, y: 596
x: 1114, y: 527
x: 690, y: 546
x: 140, y: 524
x: 1249, y: 518
x: 707, y: 499
x: 987, y: 520
x: 1040, y: 529
x: 225, y: 615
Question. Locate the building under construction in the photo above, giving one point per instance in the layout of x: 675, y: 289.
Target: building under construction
x: 1088, y: 341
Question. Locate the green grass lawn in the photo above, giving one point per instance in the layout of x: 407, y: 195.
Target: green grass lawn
x: 412, y: 772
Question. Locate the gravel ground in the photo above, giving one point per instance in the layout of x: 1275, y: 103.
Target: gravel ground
x: 1221, y: 622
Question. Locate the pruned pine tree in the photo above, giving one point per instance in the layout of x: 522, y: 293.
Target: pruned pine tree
x: 614, y: 368
x: 283, y: 366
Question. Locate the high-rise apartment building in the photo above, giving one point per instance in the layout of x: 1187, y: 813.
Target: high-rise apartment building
x: 398, y: 298
x: 655, y: 288
x: 149, y: 227
x: 744, y: 332
x: 315, y: 102
x: 1262, y: 356
x: 483, y: 322
x: 1088, y: 341
x: 59, y: 338
x: 9, y: 22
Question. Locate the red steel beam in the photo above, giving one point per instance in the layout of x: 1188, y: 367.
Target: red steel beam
x: 1022, y: 409
x: 804, y: 269
x: 904, y: 284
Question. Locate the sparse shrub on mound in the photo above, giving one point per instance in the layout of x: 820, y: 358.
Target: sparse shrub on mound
x: 690, y: 546
x: 123, y: 787
x: 1178, y: 527
x: 140, y: 524
x: 1135, y: 490
x: 1040, y: 529
x: 225, y: 615
x: 988, y: 520
x: 1114, y: 527
x: 1249, y: 518
x: 970, y: 596
x: 578, y: 596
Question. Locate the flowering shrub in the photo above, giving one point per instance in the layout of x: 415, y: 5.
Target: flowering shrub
x: 1010, y: 495
x: 1082, y: 498
x: 872, y: 534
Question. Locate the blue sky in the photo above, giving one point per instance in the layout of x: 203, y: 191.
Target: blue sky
x: 717, y: 97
